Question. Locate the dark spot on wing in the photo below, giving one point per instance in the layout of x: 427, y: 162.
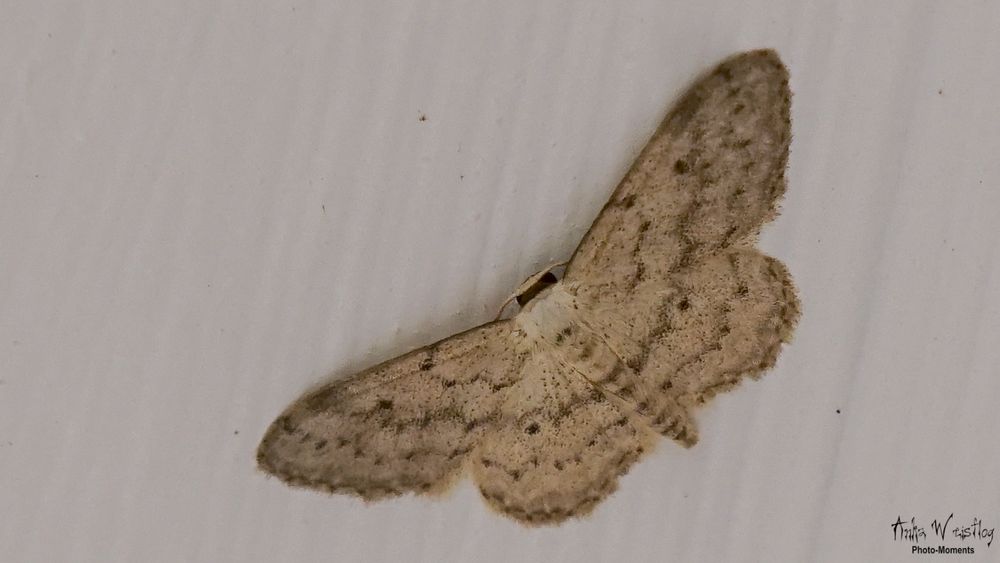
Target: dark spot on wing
x: 498, y: 386
x: 286, y: 424
x: 685, y: 110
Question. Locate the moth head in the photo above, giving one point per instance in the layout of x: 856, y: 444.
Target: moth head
x: 535, y: 284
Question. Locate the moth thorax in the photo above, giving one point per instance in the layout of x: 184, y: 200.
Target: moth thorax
x: 547, y: 314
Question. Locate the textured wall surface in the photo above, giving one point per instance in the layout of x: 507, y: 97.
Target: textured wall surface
x: 206, y: 208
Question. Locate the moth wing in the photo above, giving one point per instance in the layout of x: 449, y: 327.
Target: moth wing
x: 560, y: 446
x: 667, y: 269
x: 719, y: 321
x: 403, y: 426
x: 710, y: 176
x: 729, y: 319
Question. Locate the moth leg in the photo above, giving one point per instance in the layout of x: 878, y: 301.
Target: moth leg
x: 661, y: 412
x: 615, y: 365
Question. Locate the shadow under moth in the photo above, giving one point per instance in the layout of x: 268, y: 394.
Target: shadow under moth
x: 665, y: 303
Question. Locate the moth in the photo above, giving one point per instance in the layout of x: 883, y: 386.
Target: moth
x: 665, y: 303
